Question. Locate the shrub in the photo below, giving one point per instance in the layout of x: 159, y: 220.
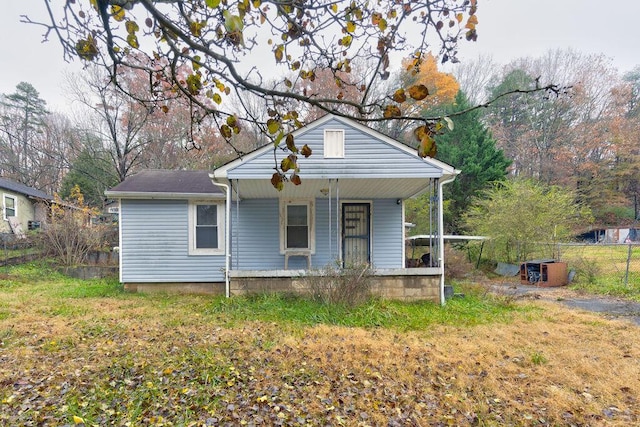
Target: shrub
x: 70, y: 236
x: 457, y: 265
x: 335, y: 284
x: 521, y: 215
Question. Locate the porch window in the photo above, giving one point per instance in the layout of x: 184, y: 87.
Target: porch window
x: 297, y: 226
x: 334, y: 144
x: 206, y: 228
x: 9, y: 206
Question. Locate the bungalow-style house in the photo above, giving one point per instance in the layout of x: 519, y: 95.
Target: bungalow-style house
x: 23, y: 208
x: 231, y: 231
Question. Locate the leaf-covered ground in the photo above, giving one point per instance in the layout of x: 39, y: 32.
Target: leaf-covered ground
x: 74, y: 353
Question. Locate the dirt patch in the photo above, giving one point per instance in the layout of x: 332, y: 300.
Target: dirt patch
x: 608, y: 306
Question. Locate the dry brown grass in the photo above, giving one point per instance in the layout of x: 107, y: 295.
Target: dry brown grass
x: 157, y: 361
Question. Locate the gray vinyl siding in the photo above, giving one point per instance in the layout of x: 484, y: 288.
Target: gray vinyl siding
x: 365, y: 157
x: 388, y: 234
x: 256, y: 235
x: 155, y: 245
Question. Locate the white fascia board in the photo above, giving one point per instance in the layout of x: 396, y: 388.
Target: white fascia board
x: 162, y: 196
x: 445, y: 177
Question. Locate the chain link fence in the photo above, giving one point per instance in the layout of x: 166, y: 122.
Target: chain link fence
x: 600, y: 264
x: 611, y: 264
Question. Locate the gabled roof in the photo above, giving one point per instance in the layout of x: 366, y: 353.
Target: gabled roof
x: 446, y: 169
x: 166, y: 184
x: 17, y: 187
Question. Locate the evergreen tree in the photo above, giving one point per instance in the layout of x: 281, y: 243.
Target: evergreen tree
x: 470, y: 148
x: 22, y: 117
x: 92, y: 172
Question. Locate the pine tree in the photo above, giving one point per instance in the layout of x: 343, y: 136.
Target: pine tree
x: 22, y: 117
x: 470, y: 148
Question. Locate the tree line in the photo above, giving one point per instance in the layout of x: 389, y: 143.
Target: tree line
x: 584, y: 139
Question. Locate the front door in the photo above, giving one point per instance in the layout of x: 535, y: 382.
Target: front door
x: 356, y: 234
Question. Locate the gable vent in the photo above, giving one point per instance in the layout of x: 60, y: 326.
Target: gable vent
x: 333, y: 144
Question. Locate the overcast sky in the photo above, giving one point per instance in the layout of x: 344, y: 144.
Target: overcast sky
x: 508, y: 29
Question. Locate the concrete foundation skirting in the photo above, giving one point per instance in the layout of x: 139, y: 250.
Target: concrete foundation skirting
x: 176, y: 288
x: 403, y: 287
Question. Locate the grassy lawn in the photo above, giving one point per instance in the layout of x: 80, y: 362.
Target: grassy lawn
x: 85, y: 352
x: 602, y: 269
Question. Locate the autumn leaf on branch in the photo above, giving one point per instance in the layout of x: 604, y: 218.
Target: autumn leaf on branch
x: 226, y: 58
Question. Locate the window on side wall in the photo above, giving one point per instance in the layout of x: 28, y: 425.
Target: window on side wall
x: 334, y: 144
x: 9, y: 206
x: 206, y: 228
x: 297, y: 231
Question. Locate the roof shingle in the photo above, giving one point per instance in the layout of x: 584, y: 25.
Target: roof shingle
x: 168, y: 182
x: 23, y: 189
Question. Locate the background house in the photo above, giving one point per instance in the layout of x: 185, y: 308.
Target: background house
x: 23, y: 208
x: 235, y: 233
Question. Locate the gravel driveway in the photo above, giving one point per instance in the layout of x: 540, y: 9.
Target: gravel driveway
x: 610, y: 307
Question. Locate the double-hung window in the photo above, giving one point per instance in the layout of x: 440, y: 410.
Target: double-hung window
x: 9, y: 206
x: 297, y: 231
x: 206, y: 228
x: 297, y: 227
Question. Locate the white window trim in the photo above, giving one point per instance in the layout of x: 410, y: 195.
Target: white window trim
x: 340, y: 153
x: 311, y: 215
x: 192, y: 228
x: 4, y: 205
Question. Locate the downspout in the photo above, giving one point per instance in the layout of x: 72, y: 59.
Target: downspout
x: 338, y: 225
x: 227, y: 234
x: 330, y: 219
x: 119, y: 240
x: 441, y: 235
x: 237, y: 225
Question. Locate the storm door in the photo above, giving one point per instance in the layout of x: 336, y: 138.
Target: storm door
x: 356, y: 234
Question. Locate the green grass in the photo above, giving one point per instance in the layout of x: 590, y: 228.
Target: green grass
x: 63, y: 298
x: 87, y: 352
x: 602, y: 269
x: 610, y: 286
x: 472, y: 309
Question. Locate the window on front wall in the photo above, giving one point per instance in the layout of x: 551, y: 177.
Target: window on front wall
x: 297, y: 230
x: 297, y: 227
x: 9, y: 206
x: 206, y: 228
